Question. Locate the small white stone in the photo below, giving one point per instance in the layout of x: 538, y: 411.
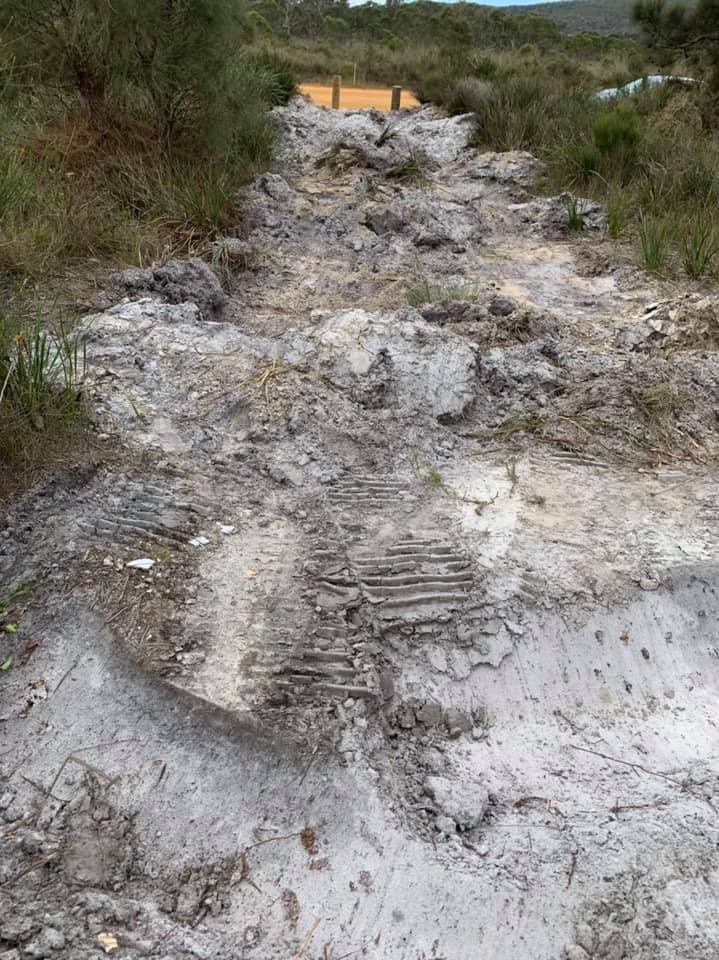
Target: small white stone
x: 198, y: 541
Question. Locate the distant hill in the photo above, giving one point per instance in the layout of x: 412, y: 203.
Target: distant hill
x: 593, y: 16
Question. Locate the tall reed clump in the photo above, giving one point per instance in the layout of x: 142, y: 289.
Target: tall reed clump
x: 654, y: 241
x: 700, y: 246
x: 41, y: 403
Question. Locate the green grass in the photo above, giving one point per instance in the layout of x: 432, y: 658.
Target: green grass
x: 79, y: 197
x: 661, y: 403
x: 700, y: 246
x: 652, y: 159
x: 653, y: 241
x: 411, y: 170
x: 575, y: 217
x: 423, y: 291
x: 41, y: 402
x: 616, y: 212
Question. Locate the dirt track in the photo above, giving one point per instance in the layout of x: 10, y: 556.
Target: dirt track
x: 356, y: 98
x: 425, y: 665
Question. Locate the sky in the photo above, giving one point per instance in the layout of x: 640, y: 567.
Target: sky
x: 489, y: 3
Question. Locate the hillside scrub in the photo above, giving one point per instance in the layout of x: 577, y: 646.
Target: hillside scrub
x: 125, y: 132
x: 424, y: 45
x: 650, y: 159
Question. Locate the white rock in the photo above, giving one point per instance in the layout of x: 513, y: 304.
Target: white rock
x: 463, y: 801
x: 445, y: 825
x: 397, y: 359
x: 144, y: 563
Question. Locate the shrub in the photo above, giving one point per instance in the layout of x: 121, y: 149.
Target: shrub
x: 176, y: 56
x: 617, y: 129
x: 699, y: 246
x: 40, y: 381
x: 654, y: 240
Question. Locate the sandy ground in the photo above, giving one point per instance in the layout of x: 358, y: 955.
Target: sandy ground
x: 425, y: 662
x: 357, y: 98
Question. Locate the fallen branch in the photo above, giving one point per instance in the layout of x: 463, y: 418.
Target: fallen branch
x: 305, y: 943
x: 684, y: 785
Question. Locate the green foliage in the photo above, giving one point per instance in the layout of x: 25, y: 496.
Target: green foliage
x: 654, y: 241
x: 513, y: 116
x: 617, y: 130
x: 579, y: 159
x: 469, y: 95
x: 616, y: 212
x: 41, y: 375
x: 411, y: 170
x: 575, y: 217
x: 661, y: 402
x: 700, y: 246
x: 143, y: 150
x: 173, y: 65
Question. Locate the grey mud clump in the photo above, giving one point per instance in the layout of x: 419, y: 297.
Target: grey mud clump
x: 397, y: 359
x: 178, y: 281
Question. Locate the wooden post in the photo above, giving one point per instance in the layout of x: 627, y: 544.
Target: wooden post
x: 354, y: 75
x: 396, y: 96
x: 336, y: 86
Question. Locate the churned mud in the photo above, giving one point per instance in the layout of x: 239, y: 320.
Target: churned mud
x: 424, y: 664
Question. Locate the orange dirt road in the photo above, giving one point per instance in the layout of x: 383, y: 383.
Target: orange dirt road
x: 355, y: 98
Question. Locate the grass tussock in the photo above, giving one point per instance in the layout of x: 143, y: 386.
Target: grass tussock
x: 422, y: 291
x: 42, y: 409
x: 411, y: 170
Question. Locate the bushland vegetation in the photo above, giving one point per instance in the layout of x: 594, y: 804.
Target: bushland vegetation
x: 652, y: 158
x: 125, y: 131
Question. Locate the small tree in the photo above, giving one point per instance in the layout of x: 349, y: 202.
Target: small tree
x: 672, y: 30
x: 175, y: 55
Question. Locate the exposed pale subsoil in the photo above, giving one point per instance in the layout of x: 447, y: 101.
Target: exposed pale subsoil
x: 426, y: 665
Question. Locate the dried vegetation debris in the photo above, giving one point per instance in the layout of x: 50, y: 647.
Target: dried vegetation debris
x: 689, y: 321
x: 75, y: 853
x: 178, y: 281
